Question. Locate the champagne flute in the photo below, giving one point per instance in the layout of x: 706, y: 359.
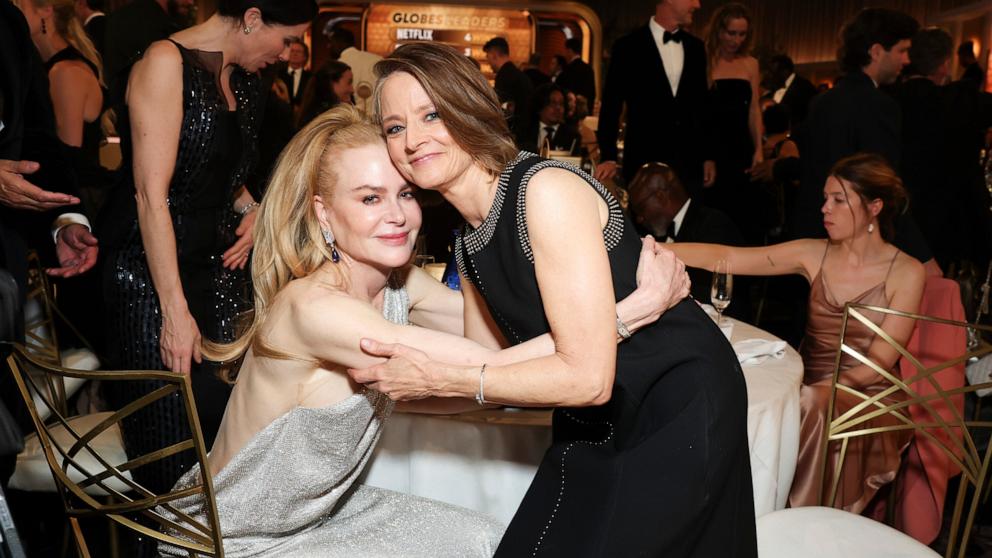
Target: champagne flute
x: 722, y: 288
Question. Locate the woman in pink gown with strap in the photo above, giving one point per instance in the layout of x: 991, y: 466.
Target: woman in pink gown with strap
x: 856, y: 264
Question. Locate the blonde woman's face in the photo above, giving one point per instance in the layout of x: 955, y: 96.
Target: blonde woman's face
x: 418, y: 141
x: 371, y: 211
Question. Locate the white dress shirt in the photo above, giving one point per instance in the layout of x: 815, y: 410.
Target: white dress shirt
x: 679, y: 217
x: 672, y: 54
x: 297, y: 73
x: 780, y: 93
x: 542, y: 134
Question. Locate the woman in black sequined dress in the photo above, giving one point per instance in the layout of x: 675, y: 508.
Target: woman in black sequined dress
x: 649, y: 453
x: 179, y: 224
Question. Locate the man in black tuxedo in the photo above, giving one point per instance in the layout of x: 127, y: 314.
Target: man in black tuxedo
x: 296, y: 76
x: 662, y: 208
x: 659, y: 71
x: 512, y: 85
x: 549, y: 122
x: 943, y: 132
x: 854, y: 116
x: 789, y: 88
x: 90, y: 14
x: 578, y: 76
x: 973, y: 72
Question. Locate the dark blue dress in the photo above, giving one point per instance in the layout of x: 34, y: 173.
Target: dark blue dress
x: 663, y: 469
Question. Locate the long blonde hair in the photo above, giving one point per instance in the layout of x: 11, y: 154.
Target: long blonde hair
x: 68, y: 26
x: 289, y: 243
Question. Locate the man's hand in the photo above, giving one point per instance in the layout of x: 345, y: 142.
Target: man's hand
x: 605, y: 171
x: 709, y: 173
x: 76, y: 249
x: 18, y: 193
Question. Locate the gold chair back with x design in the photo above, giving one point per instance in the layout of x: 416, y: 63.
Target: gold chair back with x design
x: 944, y: 425
x: 91, y: 485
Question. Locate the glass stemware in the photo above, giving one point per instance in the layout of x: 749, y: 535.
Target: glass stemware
x: 722, y: 288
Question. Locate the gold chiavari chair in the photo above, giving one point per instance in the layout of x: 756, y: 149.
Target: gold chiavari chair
x: 917, y: 402
x: 94, y: 484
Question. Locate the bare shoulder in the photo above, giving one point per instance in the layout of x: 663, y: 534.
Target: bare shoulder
x: 908, y: 272
x: 161, y: 64
x: 550, y: 182
x: 70, y: 70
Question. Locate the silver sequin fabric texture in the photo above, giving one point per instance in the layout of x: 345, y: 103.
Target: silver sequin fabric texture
x: 293, y: 490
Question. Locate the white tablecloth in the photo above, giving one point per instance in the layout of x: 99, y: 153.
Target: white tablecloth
x: 487, y: 466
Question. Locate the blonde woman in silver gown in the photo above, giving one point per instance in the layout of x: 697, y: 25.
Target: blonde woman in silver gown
x: 334, y: 235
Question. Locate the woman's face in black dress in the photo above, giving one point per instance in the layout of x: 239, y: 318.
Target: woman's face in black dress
x: 418, y: 141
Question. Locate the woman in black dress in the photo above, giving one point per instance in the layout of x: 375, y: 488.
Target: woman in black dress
x: 179, y: 232
x: 649, y: 454
x: 734, y: 79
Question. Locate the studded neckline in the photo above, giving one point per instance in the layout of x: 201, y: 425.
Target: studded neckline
x: 476, y: 238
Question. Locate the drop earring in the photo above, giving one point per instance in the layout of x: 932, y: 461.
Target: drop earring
x: 871, y: 228
x: 247, y: 30
x: 329, y: 239
x: 44, y: 28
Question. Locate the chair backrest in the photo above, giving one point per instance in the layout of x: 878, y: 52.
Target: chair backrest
x: 40, y: 337
x: 78, y: 467
x: 933, y: 414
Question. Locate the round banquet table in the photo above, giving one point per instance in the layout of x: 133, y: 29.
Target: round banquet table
x: 485, y: 460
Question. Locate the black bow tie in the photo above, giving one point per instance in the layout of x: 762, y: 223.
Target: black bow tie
x: 676, y: 36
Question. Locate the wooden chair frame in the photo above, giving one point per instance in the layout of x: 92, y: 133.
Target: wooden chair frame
x: 198, y: 539
x: 958, y: 443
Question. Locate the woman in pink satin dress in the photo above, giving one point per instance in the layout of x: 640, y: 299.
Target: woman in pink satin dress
x: 857, y: 263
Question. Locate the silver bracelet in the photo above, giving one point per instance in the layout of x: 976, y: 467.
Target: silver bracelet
x: 248, y: 207
x: 480, y: 397
x: 622, y: 330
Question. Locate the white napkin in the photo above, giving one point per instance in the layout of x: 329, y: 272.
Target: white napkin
x: 980, y: 372
x: 756, y: 351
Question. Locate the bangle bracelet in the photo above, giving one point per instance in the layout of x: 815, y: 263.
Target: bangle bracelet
x: 480, y: 397
x: 248, y: 207
x: 622, y: 330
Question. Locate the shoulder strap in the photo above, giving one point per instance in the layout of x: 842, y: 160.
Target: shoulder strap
x: 891, y: 265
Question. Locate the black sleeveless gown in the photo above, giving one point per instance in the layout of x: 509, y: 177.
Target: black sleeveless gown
x: 663, y: 469
x: 733, y: 193
x: 216, y: 149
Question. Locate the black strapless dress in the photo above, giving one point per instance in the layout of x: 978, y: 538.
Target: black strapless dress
x: 216, y: 148
x: 733, y: 193
x: 663, y: 469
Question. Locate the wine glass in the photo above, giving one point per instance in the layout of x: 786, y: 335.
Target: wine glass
x: 722, y: 288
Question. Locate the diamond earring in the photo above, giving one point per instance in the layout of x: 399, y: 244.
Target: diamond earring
x: 247, y: 30
x: 871, y: 228
x: 329, y: 239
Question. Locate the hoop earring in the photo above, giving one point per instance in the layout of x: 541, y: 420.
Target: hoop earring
x: 329, y: 239
x: 44, y: 28
x: 871, y: 228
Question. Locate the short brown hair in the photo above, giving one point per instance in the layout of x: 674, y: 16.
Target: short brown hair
x: 871, y: 177
x: 466, y: 103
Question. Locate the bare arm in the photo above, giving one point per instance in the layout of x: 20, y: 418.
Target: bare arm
x: 798, y: 256
x: 67, y: 87
x: 575, y: 282
x: 154, y: 100
x: 907, y: 284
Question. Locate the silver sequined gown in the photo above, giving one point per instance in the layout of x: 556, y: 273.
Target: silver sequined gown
x: 292, y: 490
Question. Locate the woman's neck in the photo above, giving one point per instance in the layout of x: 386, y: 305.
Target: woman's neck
x: 472, y: 194
x: 863, y: 248
x: 217, y: 34
x: 364, y: 282
x: 49, y: 45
